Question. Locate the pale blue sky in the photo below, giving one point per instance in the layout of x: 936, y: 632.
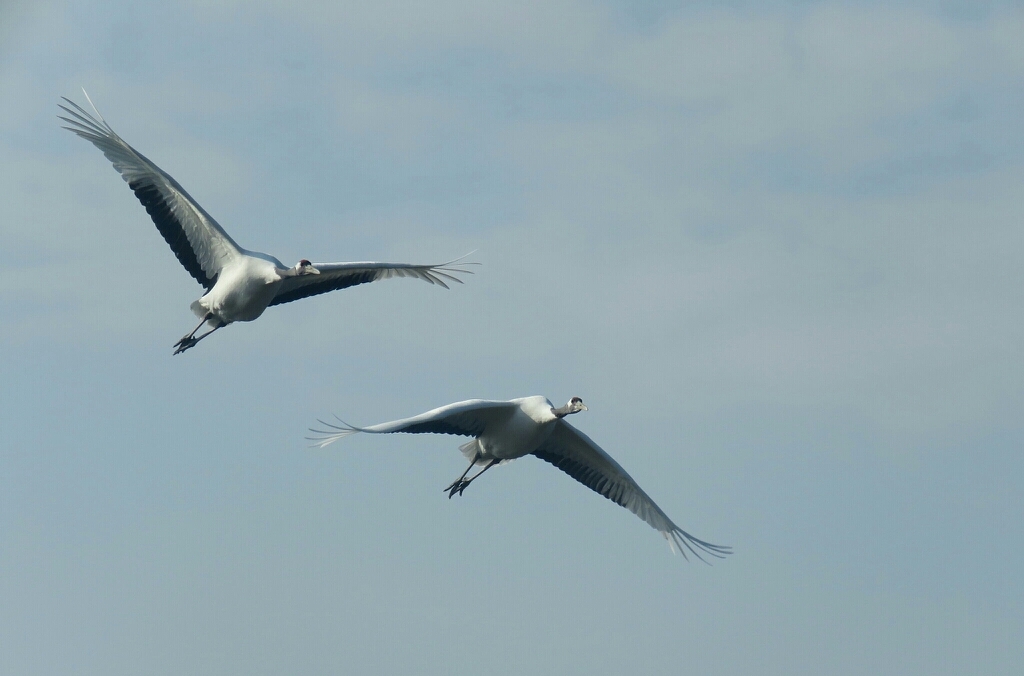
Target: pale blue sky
x: 774, y: 246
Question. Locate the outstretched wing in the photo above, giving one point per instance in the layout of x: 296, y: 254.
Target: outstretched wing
x: 464, y: 418
x: 334, y: 276
x: 200, y: 244
x: 577, y: 455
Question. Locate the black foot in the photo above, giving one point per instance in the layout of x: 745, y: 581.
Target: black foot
x: 184, y: 344
x: 457, y: 487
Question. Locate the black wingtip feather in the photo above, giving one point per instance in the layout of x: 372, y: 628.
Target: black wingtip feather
x: 317, y: 288
x: 171, y: 230
x: 443, y: 427
x: 585, y: 475
x: 600, y: 484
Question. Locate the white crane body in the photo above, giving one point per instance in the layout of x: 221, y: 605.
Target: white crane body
x: 244, y: 289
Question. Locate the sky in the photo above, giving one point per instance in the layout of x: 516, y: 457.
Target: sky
x: 775, y: 247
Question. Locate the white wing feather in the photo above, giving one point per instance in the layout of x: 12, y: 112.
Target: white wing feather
x: 207, y: 248
x: 334, y: 276
x: 464, y: 418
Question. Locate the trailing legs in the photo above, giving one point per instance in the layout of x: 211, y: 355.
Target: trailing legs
x: 462, y: 482
x: 189, y: 339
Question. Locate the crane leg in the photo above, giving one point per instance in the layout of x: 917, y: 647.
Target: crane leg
x: 189, y: 339
x: 453, y: 486
x: 462, y: 482
x: 188, y: 336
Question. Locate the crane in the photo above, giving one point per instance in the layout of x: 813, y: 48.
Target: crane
x: 505, y: 430
x: 240, y: 284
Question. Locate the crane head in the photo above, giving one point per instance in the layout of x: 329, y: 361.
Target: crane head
x: 304, y: 267
x: 576, y: 405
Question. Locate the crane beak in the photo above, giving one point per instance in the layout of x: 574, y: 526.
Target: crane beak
x: 311, y: 270
x: 583, y: 407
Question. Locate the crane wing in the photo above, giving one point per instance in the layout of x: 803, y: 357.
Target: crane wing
x: 464, y: 418
x: 577, y: 455
x: 200, y: 244
x: 334, y: 276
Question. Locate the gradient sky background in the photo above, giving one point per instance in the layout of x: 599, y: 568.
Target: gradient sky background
x: 776, y: 247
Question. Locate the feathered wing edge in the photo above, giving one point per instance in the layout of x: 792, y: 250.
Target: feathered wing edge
x: 340, y: 431
x: 333, y: 433
x: 196, y: 239
x: 336, y: 276
x: 463, y: 418
x: 434, y: 274
x: 679, y: 538
x: 577, y: 455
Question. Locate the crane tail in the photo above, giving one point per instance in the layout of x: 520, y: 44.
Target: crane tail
x: 471, y: 449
